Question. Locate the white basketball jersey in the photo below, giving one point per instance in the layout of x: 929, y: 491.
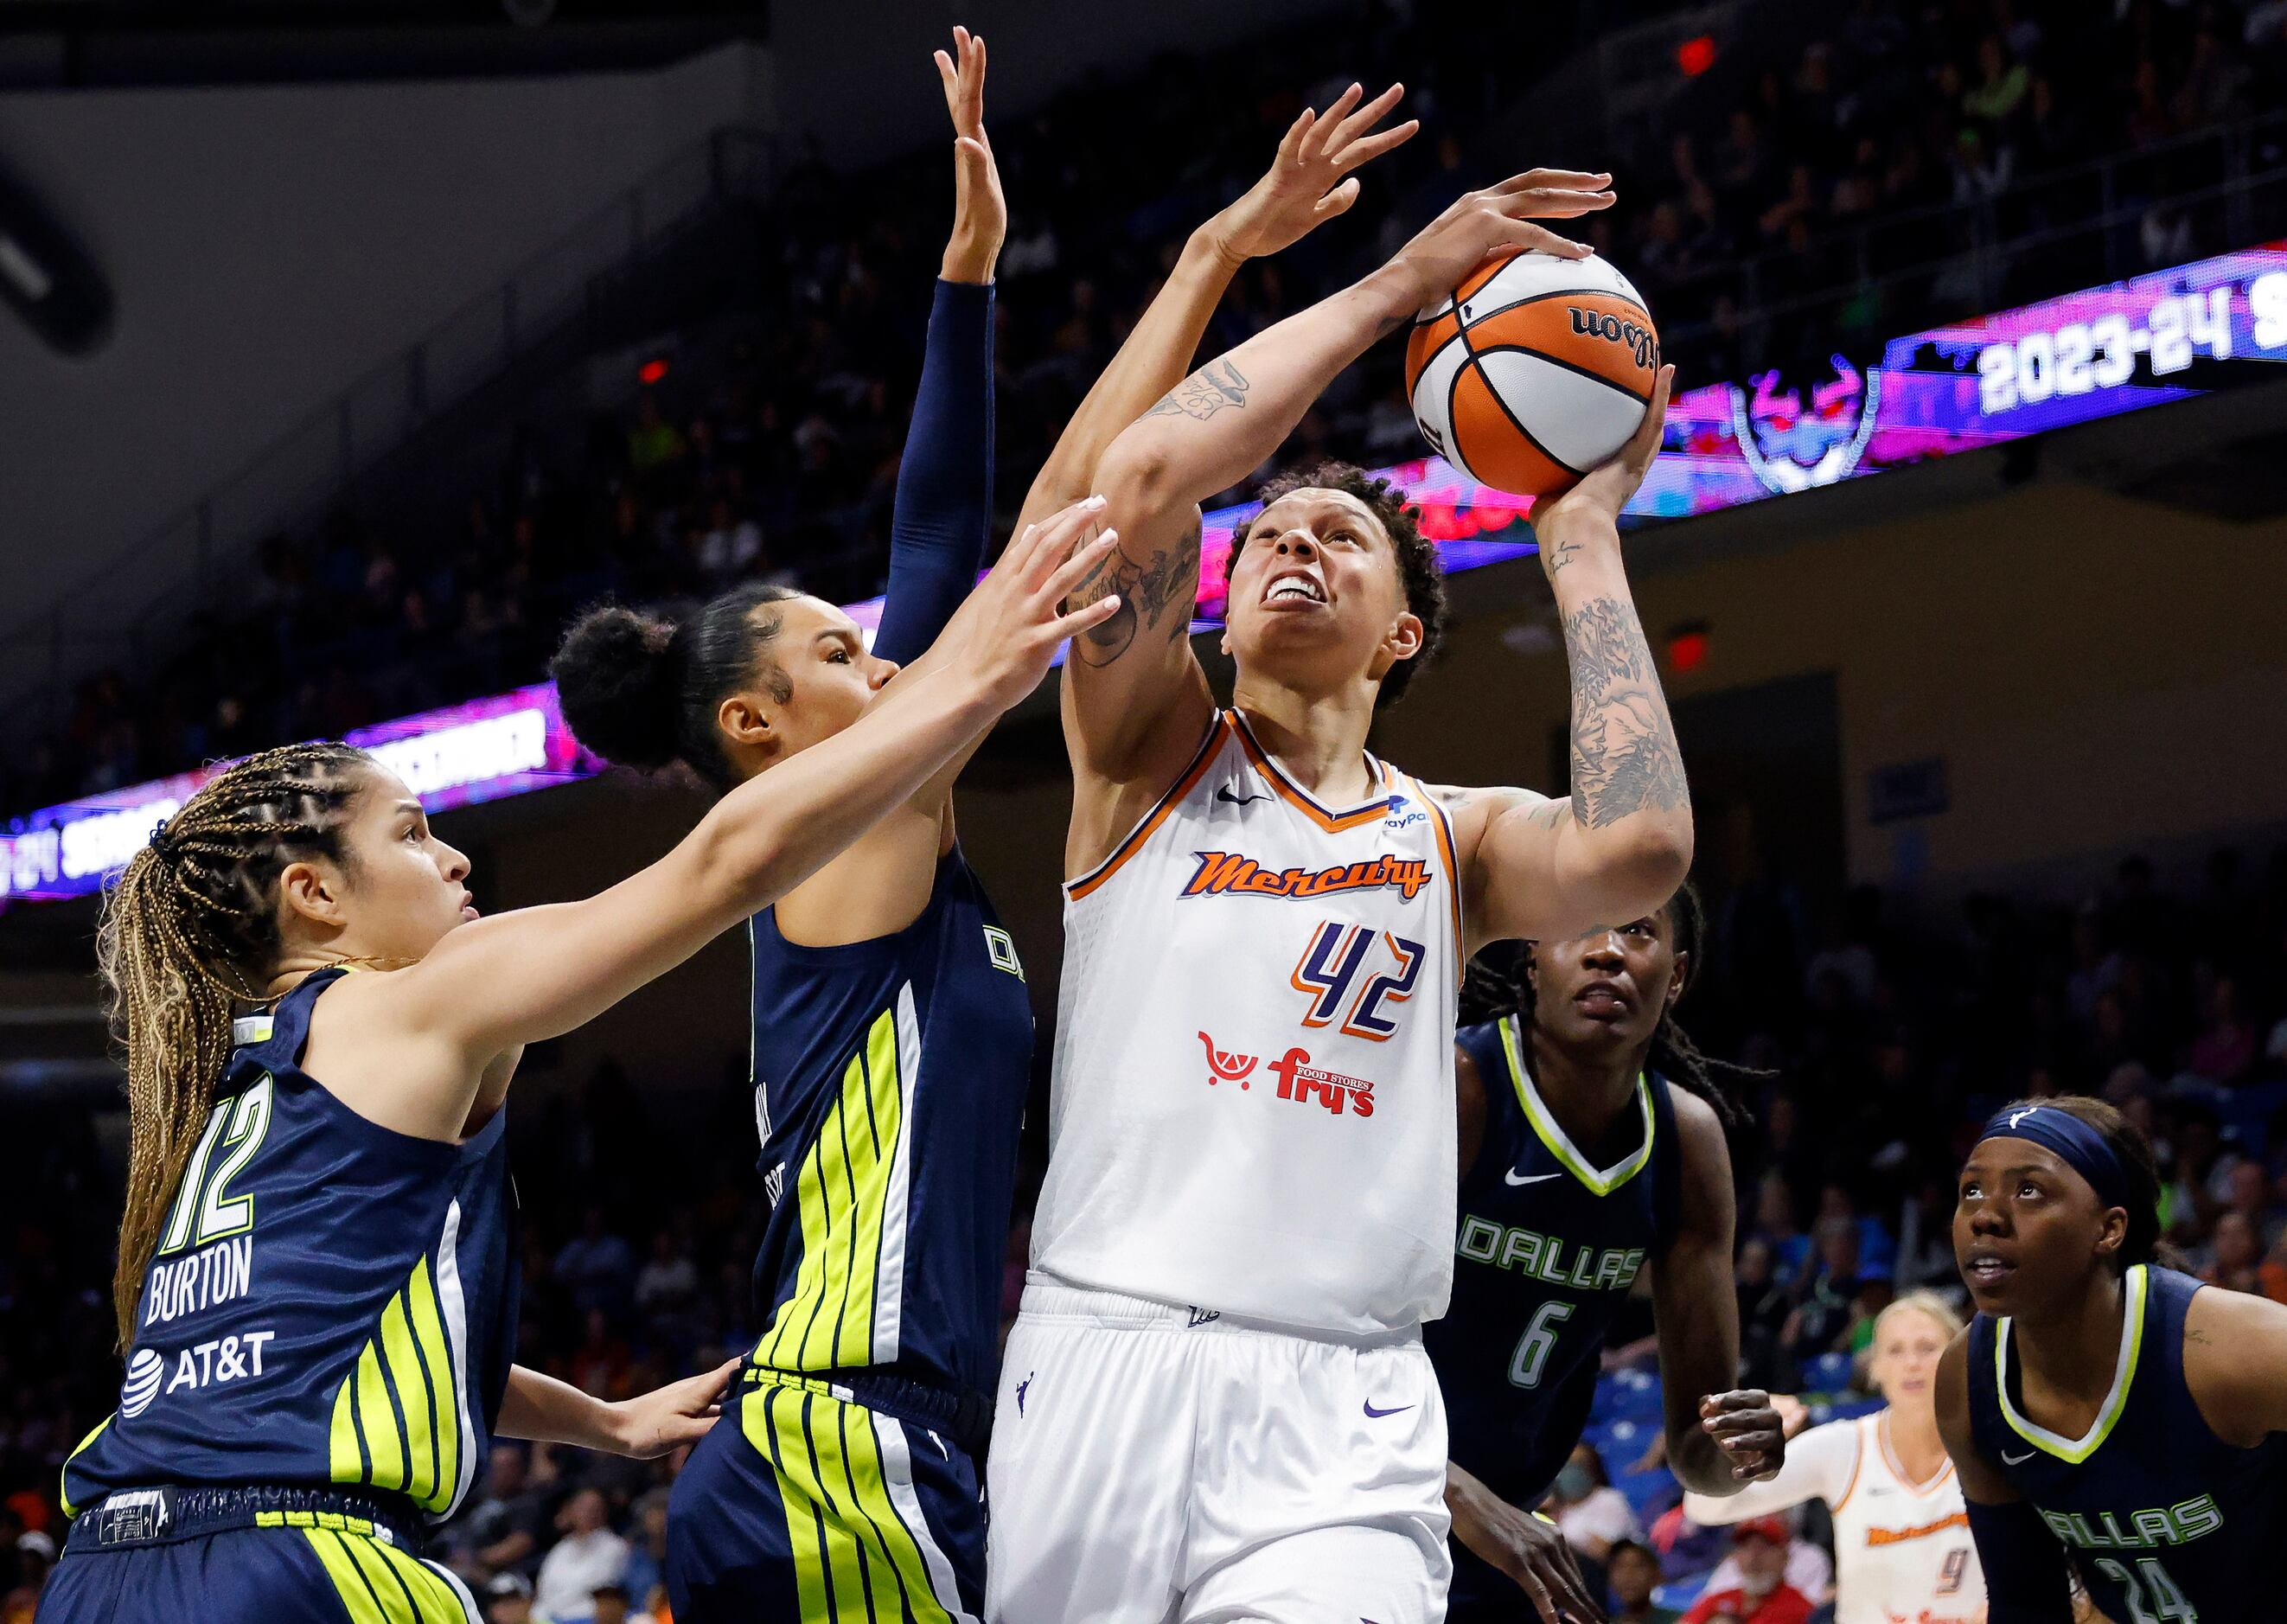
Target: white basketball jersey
x: 1252, y: 1107
x: 1903, y: 1552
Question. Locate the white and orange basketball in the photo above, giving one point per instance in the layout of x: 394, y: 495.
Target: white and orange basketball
x: 1537, y: 369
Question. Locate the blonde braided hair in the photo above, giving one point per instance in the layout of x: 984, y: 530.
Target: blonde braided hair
x: 189, y: 930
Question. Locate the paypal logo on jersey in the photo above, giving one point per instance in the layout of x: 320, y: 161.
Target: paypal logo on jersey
x: 1403, y: 813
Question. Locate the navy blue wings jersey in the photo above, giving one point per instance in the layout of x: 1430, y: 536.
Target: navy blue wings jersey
x: 890, y: 1078
x: 1549, y: 1245
x: 331, y: 1303
x: 2166, y: 1522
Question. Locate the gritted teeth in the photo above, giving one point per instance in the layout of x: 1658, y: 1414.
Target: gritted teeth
x: 1295, y: 584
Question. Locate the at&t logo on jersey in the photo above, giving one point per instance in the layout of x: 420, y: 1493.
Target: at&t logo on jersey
x: 1220, y: 872
x: 1298, y: 1079
x: 212, y: 1363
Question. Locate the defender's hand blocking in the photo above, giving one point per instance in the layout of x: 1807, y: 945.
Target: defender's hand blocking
x: 1010, y: 628
x: 666, y: 1418
x: 980, y: 214
x: 1305, y: 184
x: 1749, y: 1430
x: 1495, y: 221
x: 1523, y: 1545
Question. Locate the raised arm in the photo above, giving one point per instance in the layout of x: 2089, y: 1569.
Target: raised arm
x: 944, y: 505
x: 539, y: 972
x: 1309, y: 182
x: 1135, y: 700
x: 1620, y: 843
x: 1718, y: 1438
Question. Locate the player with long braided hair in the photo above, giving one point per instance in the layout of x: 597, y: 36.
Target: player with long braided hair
x: 315, y: 1289
x: 1591, y: 1146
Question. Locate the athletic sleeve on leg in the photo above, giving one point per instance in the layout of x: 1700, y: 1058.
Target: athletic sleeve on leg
x: 2025, y: 1577
x: 945, y: 480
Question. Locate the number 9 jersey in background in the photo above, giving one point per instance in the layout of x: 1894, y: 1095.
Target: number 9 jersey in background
x: 332, y: 1303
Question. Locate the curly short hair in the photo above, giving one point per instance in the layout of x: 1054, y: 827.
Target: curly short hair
x: 1419, y: 570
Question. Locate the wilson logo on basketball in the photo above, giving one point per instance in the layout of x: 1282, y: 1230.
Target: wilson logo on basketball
x: 1234, y: 871
x: 1597, y: 324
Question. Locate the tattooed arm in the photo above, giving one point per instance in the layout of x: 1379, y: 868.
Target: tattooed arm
x: 1620, y: 843
x: 1136, y: 703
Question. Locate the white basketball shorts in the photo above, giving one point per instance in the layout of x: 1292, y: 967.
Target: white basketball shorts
x: 1158, y: 1465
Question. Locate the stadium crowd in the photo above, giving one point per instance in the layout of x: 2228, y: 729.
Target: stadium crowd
x: 771, y: 449
x: 1887, y: 1037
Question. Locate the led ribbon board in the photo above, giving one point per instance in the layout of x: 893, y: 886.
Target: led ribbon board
x: 2165, y: 337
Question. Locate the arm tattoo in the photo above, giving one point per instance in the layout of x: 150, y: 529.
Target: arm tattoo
x: 1205, y: 393
x: 1555, y: 554
x: 1624, y: 752
x: 1169, y: 578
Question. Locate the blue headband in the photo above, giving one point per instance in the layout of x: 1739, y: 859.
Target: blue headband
x: 2083, y: 1149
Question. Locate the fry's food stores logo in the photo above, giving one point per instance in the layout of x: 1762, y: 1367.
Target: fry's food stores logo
x: 1298, y: 1079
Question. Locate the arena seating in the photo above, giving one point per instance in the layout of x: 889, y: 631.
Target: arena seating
x: 1816, y: 211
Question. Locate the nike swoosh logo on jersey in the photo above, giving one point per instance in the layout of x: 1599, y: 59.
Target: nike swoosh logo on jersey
x: 1224, y: 794
x: 2016, y: 1460
x: 1513, y: 1177
x: 1378, y: 1414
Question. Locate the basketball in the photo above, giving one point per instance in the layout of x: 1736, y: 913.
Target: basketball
x: 1534, y: 371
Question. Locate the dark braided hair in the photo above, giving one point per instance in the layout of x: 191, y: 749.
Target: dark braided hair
x: 1490, y: 990
x: 189, y: 930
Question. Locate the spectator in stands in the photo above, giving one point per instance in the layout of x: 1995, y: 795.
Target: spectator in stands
x: 611, y: 1606
x: 1632, y: 1573
x: 646, y: 1577
x: 508, y: 1599
x: 2231, y: 1256
x: 666, y: 1290
x: 596, y: 1265
x: 1591, y: 1513
x: 2224, y: 1051
x: 506, y: 1530
x: 589, y: 1554
x: 1760, y: 1594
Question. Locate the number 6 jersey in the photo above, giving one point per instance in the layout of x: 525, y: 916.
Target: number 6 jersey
x: 1251, y: 1109
x: 332, y: 1303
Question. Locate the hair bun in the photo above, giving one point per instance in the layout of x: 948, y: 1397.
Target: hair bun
x: 619, y: 681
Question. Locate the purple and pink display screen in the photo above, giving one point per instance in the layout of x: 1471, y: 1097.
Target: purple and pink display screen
x: 2165, y: 337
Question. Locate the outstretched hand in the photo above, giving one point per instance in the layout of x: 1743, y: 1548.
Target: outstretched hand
x: 1011, y: 627
x: 1309, y: 181
x: 1496, y: 222
x: 667, y: 1417
x: 980, y: 213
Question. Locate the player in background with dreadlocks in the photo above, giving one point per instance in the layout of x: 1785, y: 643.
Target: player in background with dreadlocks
x: 1591, y: 1145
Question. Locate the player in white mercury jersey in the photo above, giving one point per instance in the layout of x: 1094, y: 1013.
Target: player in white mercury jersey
x: 1902, y: 1551
x: 1214, y: 1404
